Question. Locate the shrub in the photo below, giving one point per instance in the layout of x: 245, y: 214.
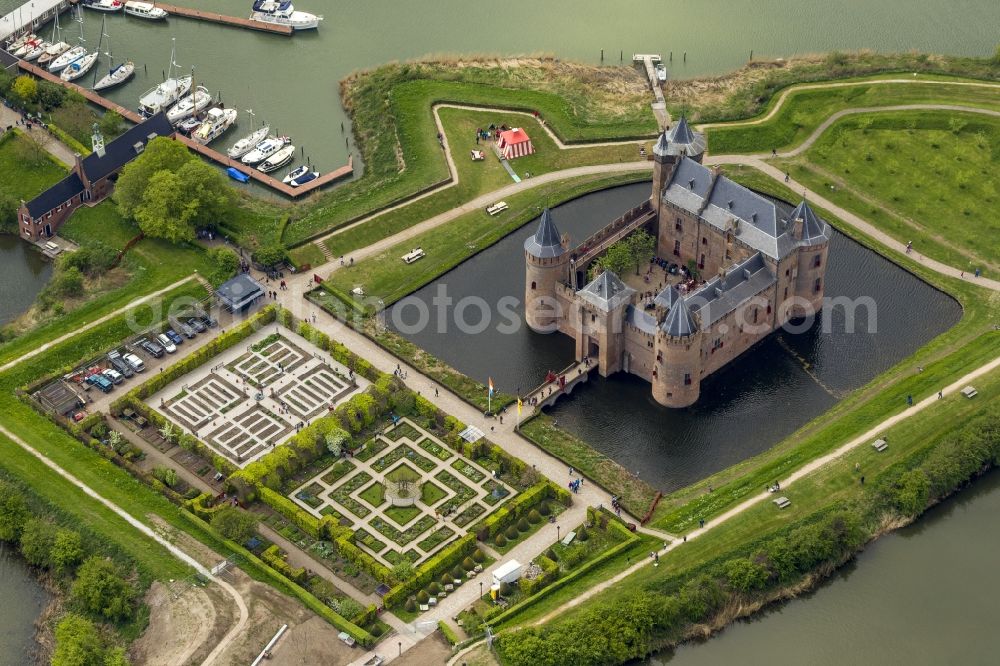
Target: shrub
x: 101, y: 590
x: 512, y: 532
x: 458, y: 572
x: 582, y: 534
x: 504, y: 589
x: 479, y: 556
x: 235, y: 524
x: 551, y: 554
x: 423, y: 597
x: 468, y: 564
x: 434, y: 588
x: 500, y: 541
x: 446, y: 578
x: 410, y: 606
x: 543, y: 508
x: 523, y: 525
x: 37, y: 540
x: 534, y: 517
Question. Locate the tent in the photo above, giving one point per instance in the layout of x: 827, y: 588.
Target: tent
x: 514, y: 143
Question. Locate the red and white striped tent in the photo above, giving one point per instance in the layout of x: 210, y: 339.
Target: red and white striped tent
x: 514, y: 143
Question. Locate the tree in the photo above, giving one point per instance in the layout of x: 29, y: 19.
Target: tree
x: 643, y: 247
x: 77, y: 643
x: 13, y: 512
x: 225, y: 263
x: 67, y: 549
x: 235, y: 524
x: 744, y: 575
x: 101, y: 590
x: 110, y: 124
x: 335, y: 440
x: 160, y: 154
x: 175, y: 203
x: 617, y: 258
x: 402, y: 571
x: 25, y: 89
x: 270, y: 255
x: 349, y: 608
x: 37, y: 539
x: 8, y: 214
x: 29, y: 150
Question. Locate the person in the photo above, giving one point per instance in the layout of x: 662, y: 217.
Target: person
x: 978, y: 272
x: 435, y: 392
x: 786, y: 176
x: 940, y: 395
x: 909, y: 247
x: 862, y: 480
x: 909, y: 401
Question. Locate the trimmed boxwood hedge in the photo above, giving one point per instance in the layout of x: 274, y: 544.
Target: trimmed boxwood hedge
x: 429, y: 570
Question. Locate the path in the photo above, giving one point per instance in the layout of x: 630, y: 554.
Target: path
x: 54, y: 146
x: 100, y: 320
x: 237, y: 629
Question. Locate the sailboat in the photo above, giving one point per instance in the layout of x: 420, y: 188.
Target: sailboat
x: 37, y: 51
x: 116, y: 75
x: 85, y: 62
x: 162, y: 96
x: 57, y: 47
x: 247, y: 143
x: 190, y: 105
x: 23, y: 47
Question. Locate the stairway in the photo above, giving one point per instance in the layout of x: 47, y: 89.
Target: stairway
x: 325, y: 250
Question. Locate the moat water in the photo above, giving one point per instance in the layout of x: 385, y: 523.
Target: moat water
x: 23, y: 273
x: 763, y: 396
x: 23, y: 600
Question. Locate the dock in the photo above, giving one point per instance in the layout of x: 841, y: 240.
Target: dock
x: 649, y: 61
x: 205, y: 151
x: 235, y: 21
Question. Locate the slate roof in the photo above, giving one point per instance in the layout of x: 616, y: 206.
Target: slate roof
x: 546, y: 241
x: 60, y: 193
x: 680, y: 140
x: 667, y: 297
x: 813, y: 228
x: 606, y: 292
x: 121, y: 151
x: 641, y: 319
x: 239, y: 292
x: 679, y: 322
x: 720, y: 201
x: 721, y: 296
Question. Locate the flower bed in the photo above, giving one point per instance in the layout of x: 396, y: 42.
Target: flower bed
x: 404, y: 537
x: 435, y: 449
x: 436, y: 538
x: 342, y: 494
x: 469, y: 514
x: 468, y: 471
x: 462, y: 492
x: 341, y: 469
x: 365, y: 537
x: 310, y: 495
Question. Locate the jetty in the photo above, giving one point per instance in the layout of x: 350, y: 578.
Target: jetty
x: 649, y: 62
x: 235, y: 21
x: 204, y: 151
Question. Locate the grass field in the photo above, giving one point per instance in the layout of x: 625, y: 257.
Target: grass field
x: 23, y: 180
x: 924, y: 176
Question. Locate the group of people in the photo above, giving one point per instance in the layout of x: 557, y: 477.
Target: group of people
x: 616, y: 505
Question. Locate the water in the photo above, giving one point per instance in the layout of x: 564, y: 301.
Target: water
x: 23, y: 599
x: 926, y: 594
x: 25, y: 273
x: 293, y: 82
x: 744, y: 409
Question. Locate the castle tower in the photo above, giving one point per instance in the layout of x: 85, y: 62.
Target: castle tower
x: 546, y: 264
x: 678, y: 141
x: 677, y: 368
x: 600, y: 330
x: 813, y: 238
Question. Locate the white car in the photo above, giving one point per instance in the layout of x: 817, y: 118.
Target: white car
x: 135, y: 362
x: 115, y: 376
x: 167, y: 343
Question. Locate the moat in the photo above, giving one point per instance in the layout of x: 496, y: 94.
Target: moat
x: 747, y: 407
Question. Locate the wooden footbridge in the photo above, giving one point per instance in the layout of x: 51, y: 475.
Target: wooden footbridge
x: 649, y: 61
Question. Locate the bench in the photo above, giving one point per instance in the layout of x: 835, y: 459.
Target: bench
x: 346, y: 638
x: 970, y: 392
x: 782, y: 502
x: 414, y: 255
x: 424, y: 607
x: 880, y: 445
x: 568, y: 539
x: 496, y: 208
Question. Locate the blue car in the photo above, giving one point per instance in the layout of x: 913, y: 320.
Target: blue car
x: 174, y: 337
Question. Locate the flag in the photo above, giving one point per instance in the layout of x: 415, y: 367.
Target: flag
x: 491, y: 386
x: 519, y: 403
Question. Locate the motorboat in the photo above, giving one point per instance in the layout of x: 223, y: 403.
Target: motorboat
x: 189, y: 105
x: 236, y: 174
x: 163, y: 95
x: 53, y: 52
x: 217, y: 121
x: 661, y: 72
x: 146, y: 10
x: 188, y: 125
x: 281, y: 12
x: 295, y: 173
x: 79, y: 67
x: 278, y: 159
x: 264, y: 149
x: 247, y: 143
x: 116, y: 76
x: 307, y: 177
x: 37, y: 51
x: 60, y: 63
x: 107, y: 6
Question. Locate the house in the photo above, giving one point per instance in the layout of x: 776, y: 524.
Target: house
x: 91, y: 179
x: 514, y: 143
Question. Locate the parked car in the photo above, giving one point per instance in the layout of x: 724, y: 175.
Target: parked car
x: 119, y: 364
x: 101, y: 382
x: 166, y: 343
x: 207, y: 319
x: 115, y: 376
x: 151, y: 348
x: 134, y: 362
x: 174, y: 337
x: 196, y: 325
x: 184, y: 329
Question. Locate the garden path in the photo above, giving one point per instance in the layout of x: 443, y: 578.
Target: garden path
x: 54, y: 146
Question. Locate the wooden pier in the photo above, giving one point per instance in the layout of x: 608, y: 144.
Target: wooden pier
x: 649, y: 61
x: 235, y: 21
x: 210, y: 153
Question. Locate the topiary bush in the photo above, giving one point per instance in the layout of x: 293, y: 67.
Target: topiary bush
x: 512, y: 532
x: 479, y: 556
x: 500, y: 541
x: 544, y: 508
x: 410, y: 605
x: 522, y: 525
x: 534, y: 517
x: 468, y: 564
x: 458, y: 572
x: 446, y: 578
x: 434, y: 588
x: 422, y: 596
x: 582, y: 534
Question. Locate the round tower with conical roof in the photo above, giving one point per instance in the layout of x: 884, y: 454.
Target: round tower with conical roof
x: 680, y: 140
x: 677, y: 368
x: 812, y: 235
x: 546, y: 264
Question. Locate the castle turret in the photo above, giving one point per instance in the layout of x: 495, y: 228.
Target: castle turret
x: 546, y: 264
x: 677, y: 368
x: 812, y: 235
x: 602, y: 305
x: 674, y: 143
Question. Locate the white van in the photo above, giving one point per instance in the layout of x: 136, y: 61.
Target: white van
x: 167, y: 343
x: 135, y: 362
x: 115, y: 376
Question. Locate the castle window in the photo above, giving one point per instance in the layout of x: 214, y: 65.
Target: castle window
x: 687, y: 379
x: 768, y: 309
x: 678, y: 225
x: 786, y: 293
x: 755, y: 313
x: 532, y: 285
x: 701, y: 264
x: 817, y: 261
x: 819, y: 284
x: 788, y: 271
x: 593, y: 318
x: 677, y: 248
x: 704, y: 240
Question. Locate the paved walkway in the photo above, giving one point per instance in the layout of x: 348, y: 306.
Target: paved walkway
x: 54, y: 146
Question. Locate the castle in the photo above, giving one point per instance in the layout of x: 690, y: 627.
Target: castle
x: 741, y: 269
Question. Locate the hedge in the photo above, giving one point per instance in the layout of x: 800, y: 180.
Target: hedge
x: 431, y: 569
x: 509, y: 513
x: 273, y: 557
x: 550, y: 571
x: 287, y: 508
x: 359, y: 558
x: 198, y: 507
x: 448, y: 633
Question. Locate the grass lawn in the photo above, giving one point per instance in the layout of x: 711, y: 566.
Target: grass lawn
x: 925, y: 176
x: 804, y: 110
x: 307, y: 255
x: 374, y: 494
x: 430, y: 494
x: 20, y: 179
x: 402, y: 514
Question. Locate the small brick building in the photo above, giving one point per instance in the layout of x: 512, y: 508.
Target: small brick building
x: 91, y: 179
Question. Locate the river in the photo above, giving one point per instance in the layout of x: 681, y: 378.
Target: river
x: 925, y: 594
x: 23, y: 600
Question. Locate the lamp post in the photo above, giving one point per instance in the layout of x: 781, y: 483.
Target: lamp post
x: 557, y: 532
x: 480, y: 589
x: 400, y: 648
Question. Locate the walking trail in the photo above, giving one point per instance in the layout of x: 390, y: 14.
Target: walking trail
x: 54, y: 146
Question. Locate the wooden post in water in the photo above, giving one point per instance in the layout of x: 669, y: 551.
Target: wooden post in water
x: 751, y: 55
x: 602, y: 55
x: 685, y: 56
x: 671, y: 56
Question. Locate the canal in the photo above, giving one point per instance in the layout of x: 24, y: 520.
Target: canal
x: 24, y: 273
x: 925, y: 594
x: 23, y: 599
x: 744, y: 409
x: 292, y: 83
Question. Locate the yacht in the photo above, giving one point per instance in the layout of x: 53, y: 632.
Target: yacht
x: 300, y: 176
x: 162, y: 96
x: 190, y: 105
x: 188, y: 125
x: 60, y: 63
x: 116, y: 75
x: 79, y: 67
x: 145, y: 10
x: 37, y: 51
x: 264, y: 149
x: 278, y: 159
x: 217, y: 121
x: 104, y: 5
x: 281, y: 12
x: 295, y: 173
x: 247, y: 143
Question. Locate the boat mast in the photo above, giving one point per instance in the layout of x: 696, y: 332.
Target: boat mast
x: 173, y: 53
x: 56, y: 30
x: 251, y: 114
x: 111, y: 58
x: 100, y: 40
